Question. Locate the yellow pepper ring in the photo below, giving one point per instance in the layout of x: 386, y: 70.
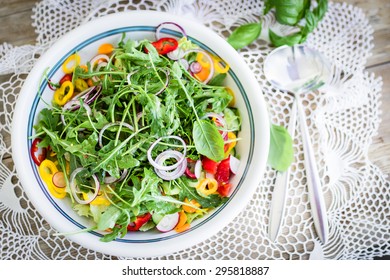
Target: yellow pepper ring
x: 220, y: 66
x: 99, y: 200
x: 80, y: 85
x: 64, y: 93
x: 74, y: 60
x: 207, y: 186
x: 46, y: 170
x: 203, y: 62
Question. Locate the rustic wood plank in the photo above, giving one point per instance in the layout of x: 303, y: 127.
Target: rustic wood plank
x: 377, y: 12
x: 15, y: 17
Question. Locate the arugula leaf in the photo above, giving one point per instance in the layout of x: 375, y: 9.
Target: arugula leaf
x: 149, y: 185
x: 208, y: 141
x: 281, y: 152
x: 244, y: 35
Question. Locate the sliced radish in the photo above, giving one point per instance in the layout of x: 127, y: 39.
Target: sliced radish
x: 59, y: 179
x: 168, y: 222
x: 234, y: 164
x: 198, y: 168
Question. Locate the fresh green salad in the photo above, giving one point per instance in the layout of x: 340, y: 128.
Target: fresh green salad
x: 140, y: 137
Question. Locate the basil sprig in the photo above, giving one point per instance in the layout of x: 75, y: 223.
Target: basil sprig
x: 288, y: 12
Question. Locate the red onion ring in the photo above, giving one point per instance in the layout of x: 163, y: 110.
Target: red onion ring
x: 84, y: 95
x: 99, y: 57
x: 74, y: 105
x: 163, y: 167
x: 171, y: 174
x: 101, y: 132
x: 176, y: 54
x: 112, y: 179
x: 220, y: 119
x: 98, y: 67
x: 75, y: 190
x: 195, y: 67
x: 161, y: 25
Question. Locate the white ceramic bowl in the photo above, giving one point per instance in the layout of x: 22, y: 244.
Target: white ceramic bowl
x: 253, y: 147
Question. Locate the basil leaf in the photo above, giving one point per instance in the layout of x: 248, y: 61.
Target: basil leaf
x: 244, y: 35
x: 281, y: 152
x: 311, y: 24
x: 208, y: 141
x: 289, y: 40
x: 290, y: 12
x: 321, y: 9
x: 217, y: 80
x: 268, y: 5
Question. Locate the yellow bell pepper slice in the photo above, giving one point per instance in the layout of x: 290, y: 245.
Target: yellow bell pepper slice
x: 203, y: 60
x: 80, y: 85
x: 106, y: 48
x: 188, y: 208
x: 207, y: 186
x: 46, y: 170
x: 64, y: 93
x: 100, y: 199
x: 229, y: 146
x: 70, y: 63
x: 220, y: 66
x: 182, y: 225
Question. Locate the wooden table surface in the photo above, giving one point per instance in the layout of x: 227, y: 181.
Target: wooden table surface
x: 16, y: 29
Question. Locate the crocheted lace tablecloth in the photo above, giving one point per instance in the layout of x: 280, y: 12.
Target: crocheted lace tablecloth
x: 342, y: 123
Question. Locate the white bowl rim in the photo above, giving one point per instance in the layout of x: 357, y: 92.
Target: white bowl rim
x: 186, y: 239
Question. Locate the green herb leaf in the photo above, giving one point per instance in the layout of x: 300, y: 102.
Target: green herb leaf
x: 108, y: 218
x: 217, y: 80
x: 320, y: 11
x: 244, y: 35
x: 290, y: 12
x: 208, y: 140
x: 268, y: 5
x: 189, y: 191
x: 290, y: 40
x: 281, y: 152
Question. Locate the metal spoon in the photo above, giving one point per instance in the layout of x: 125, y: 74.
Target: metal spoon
x: 299, y: 69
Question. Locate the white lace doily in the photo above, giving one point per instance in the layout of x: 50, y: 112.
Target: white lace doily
x: 342, y: 124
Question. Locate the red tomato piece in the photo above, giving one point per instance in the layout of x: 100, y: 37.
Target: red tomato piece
x: 165, y: 45
x: 66, y: 77
x: 139, y: 222
x: 37, y: 154
x: 223, y: 171
x: 209, y: 165
x: 224, y: 189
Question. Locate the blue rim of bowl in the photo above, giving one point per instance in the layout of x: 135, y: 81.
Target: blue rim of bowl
x: 87, y: 42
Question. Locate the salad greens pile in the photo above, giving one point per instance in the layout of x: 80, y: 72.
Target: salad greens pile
x: 141, y: 97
